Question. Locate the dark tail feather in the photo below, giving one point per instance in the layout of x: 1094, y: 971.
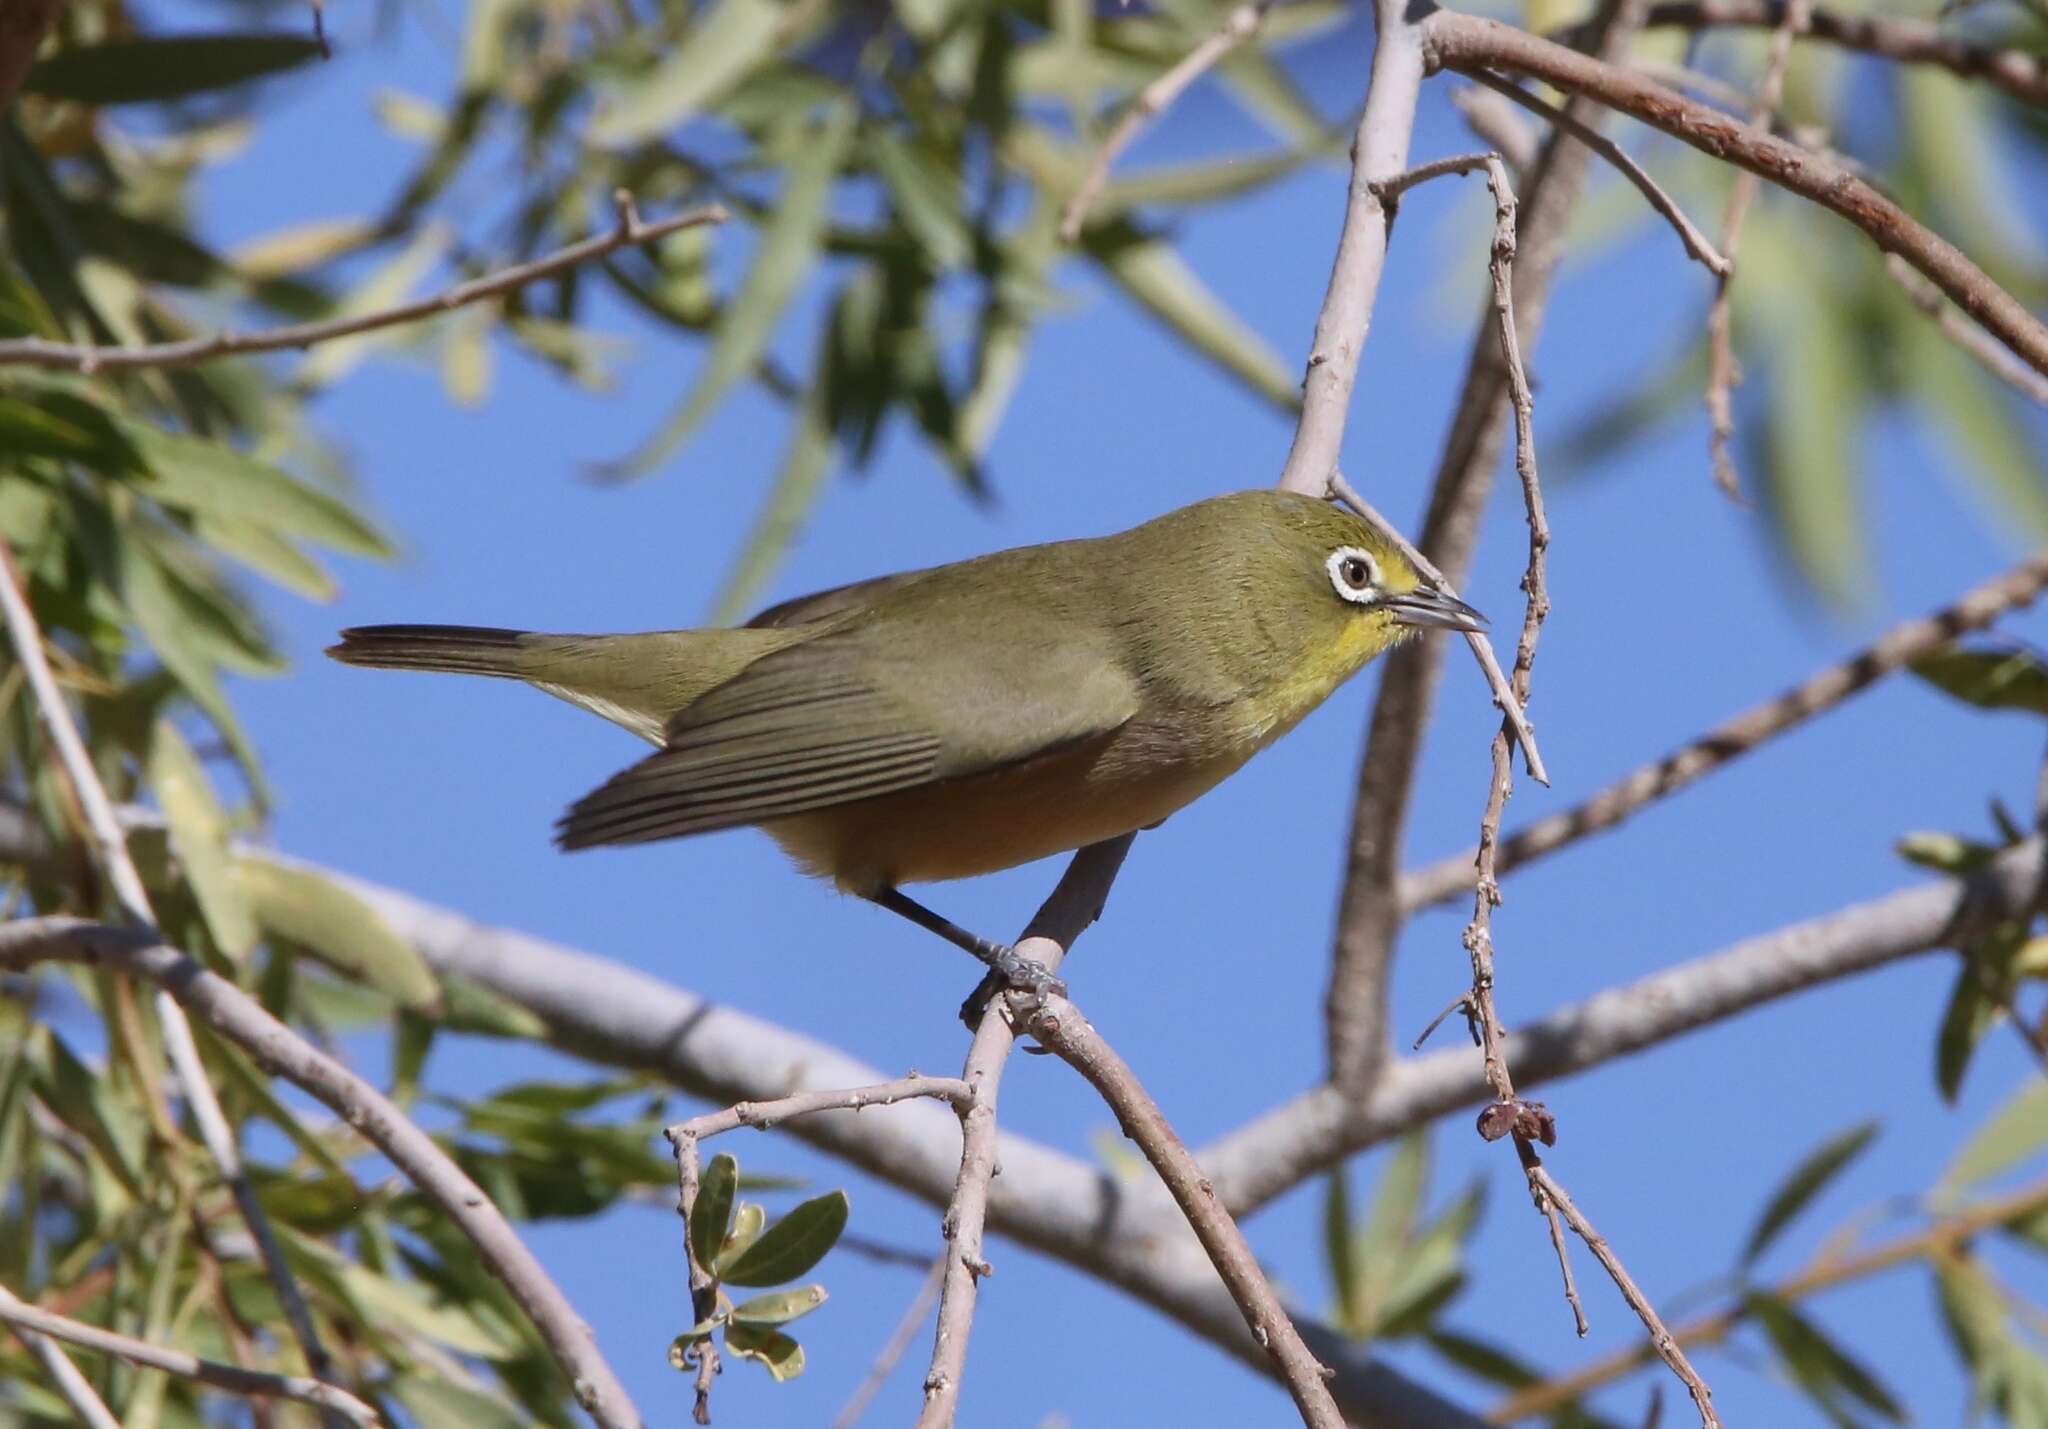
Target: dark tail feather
x: 459, y: 649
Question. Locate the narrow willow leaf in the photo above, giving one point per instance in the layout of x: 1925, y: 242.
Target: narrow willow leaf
x: 268, y: 554
x: 711, y: 1218
x: 1990, y: 679
x: 1969, y: 410
x: 727, y: 41
x: 469, y: 1006
x: 789, y: 504
x: 748, y: 1221
x: 2017, y: 1132
x: 197, y: 475
x: 1149, y: 270
x: 308, y: 245
x: 1823, y: 1368
x: 1480, y: 1357
x: 928, y: 195
x: 1969, y: 1015
x: 199, y: 836
x: 1339, y: 1250
x: 85, y: 1101
x: 466, y: 356
x: 780, y: 1307
x: 164, y: 67
x: 1810, y: 436
x: 340, y: 929
x: 1945, y: 853
x: 1808, y: 1179
x: 435, y: 1399
x: 789, y: 246
x: 1182, y: 185
x: 791, y: 1246
x: 1432, y: 1270
x: 774, y: 1351
x: 407, y: 1305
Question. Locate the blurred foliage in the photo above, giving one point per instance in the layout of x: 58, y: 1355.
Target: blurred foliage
x: 895, y: 172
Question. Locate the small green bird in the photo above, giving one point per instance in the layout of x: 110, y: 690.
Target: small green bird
x: 971, y: 717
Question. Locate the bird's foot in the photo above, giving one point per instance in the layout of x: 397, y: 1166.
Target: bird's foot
x: 1008, y: 972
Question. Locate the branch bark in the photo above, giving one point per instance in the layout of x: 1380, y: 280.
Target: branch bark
x: 282, y: 1052
x: 1470, y: 44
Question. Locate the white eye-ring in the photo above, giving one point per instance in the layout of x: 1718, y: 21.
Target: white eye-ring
x: 1354, y: 573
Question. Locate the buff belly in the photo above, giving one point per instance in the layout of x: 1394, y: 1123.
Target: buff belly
x: 962, y: 828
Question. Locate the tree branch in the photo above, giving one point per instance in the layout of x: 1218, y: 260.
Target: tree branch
x: 1306, y: 1136
x: 1059, y: 1025
x: 233, y: 1378
x: 110, y: 851
x: 1354, y: 1006
x: 1073, y: 904
x: 72, y: 1386
x: 1469, y: 43
x: 1820, y: 692
x: 628, y: 231
x: 2024, y: 76
x: 1237, y: 27
x: 1965, y: 334
x: 282, y: 1052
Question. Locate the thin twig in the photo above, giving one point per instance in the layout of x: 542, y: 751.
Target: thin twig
x: 686, y: 1136
x: 1059, y: 1026
x: 1470, y: 43
x: 892, y: 1353
x: 1825, y: 1272
x: 628, y: 231
x: 282, y: 1052
x: 1696, y: 243
x: 110, y: 850
x: 1073, y: 904
x: 1564, y: 1259
x: 1755, y: 726
x: 247, y: 1382
x: 1238, y: 26
x: 70, y: 1382
x: 1667, y: 1347
x: 1504, y: 697
x: 1965, y: 334
x: 1390, y: 190
x: 1723, y: 372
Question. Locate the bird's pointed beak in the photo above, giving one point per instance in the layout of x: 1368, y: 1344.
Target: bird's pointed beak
x: 1428, y: 609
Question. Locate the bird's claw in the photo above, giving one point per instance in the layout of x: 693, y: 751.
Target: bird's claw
x: 1009, y: 972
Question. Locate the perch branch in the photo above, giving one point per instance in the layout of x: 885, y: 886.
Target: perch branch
x: 282, y: 1052
x: 628, y: 231
x: 71, y: 1384
x: 1893, y: 651
x: 1238, y: 26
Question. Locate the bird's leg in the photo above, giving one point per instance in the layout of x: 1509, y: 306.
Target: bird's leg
x: 1006, y: 969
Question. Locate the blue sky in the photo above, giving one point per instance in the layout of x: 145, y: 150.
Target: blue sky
x: 1670, y: 613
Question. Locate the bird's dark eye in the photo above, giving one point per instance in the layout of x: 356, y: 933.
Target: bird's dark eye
x: 1354, y: 574
x: 1357, y: 574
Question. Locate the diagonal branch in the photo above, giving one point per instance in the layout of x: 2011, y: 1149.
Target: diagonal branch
x: 71, y: 1384
x: 1965, y: 334
x: 1896, y: 649
x: 1470, y: 43
x: 629, y: 230
x: 236, y: 1016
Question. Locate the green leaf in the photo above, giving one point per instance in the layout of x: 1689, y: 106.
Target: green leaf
x: 1976, y: 1003
x: 791, y: 1246
x: 712, y: 1216
x: 199, y: 837
x: 789, y: 246
x: 410, y: 1306
x: 1945, y: 853
x: 2018, y: 1131
x: 340, y: 929
x: 726, y: 42
x: 268, y: 554
x: 1338, y: 1249
x: 85, y: 1101
x: 1151, y: 273
x: 1815, y: 396
x: 469, y: 1006
x: 780, y: 1307
x: 1432, y: 1270
x: 748, y: 1221
x: 208, y: 478
x: 1808, y: 1179
x: 789, y: 504
x: 434, y: 1399
x: 165, y: 67
x: 2000, y: 679
x: 1193, y: 185
x: 774, y: 1351
x: 929, y: 197
x: 1821, y: 1367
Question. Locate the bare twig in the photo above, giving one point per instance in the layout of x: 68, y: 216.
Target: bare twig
x: 1723, y: 372
x: 1238, y: 26
x: 686, y: 1136
x: 110, y: 850
x: 1667, y: 1347
x: 1390, y: 190
x: 282, y: 1052
x: 1379, y: 150
x: 1073, y: 904
x: 1820, y: 692
x: 1964, y: 333
x: 1466, y: 43
x: 1564, y: 1258
x: 1059, y: 1025
x: 628, y: 231
x: 70, y: 1382
x: 1482, y: 647
x: 1696, y: 244
x: 236, y: 1380
x: 1368, y: 919
x: 892, y: 1353
x: 1827, y: 1271
x: 2022, y: 75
